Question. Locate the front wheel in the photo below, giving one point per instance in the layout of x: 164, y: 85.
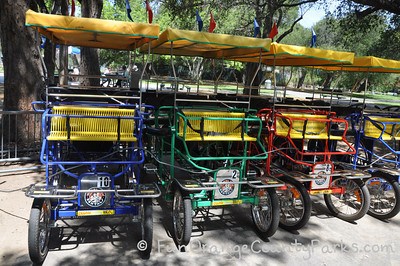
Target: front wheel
x: 352, y: 203
x: 39, y: 230
x: 266, y: 213
x: 385, y: 196
x: 147, y: 228
x: 182, y: 218
x: 295, y: 204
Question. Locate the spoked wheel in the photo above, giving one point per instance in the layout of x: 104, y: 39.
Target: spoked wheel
x: 266, y: 213
x: 385, y: 196
x: 39, y: 230
x: 353, y: 201
x: 182, y: 218
x: 146, y: 243
x: 295, y: 205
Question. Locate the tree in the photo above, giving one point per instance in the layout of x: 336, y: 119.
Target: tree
x: 266, y: 12
x: 392, y: 6
x: 23, y: 71
x: 89, y: 56
x: 366, y: 30
x: 24, y: 75
x: 116, y: 10
x: 49, y: 47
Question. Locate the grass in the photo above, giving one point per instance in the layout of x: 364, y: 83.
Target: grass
x: 377, y: 96
x: 382, y: 98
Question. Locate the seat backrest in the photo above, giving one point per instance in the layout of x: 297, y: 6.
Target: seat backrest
x: 219, y: 122
x: 299, y: 123
x: 92, y: 123
x: 385, y: 127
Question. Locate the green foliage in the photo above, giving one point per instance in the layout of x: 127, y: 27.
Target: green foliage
x: 115, y: 10
x: 376, y: 34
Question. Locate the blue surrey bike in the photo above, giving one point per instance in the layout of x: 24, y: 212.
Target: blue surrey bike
x: 91, y: 140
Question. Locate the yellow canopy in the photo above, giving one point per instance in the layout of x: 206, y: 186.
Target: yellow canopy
x: 293, y: 55
x: 368, y: 64
x: 204, y: 44
x: 92, y: 32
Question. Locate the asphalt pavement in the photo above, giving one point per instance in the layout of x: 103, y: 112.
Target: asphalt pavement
x: 226, y: 236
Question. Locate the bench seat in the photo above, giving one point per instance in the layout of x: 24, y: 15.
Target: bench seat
x: 316, y: 127
x: 390, y: 126
x: 217, y: 126
x: 92, y: 126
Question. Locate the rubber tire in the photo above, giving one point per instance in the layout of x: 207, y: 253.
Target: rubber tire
x: 364, y: 206
x: 274, y: 223
x: 36, y: 253
x: 184, y: 238
x: 147, y: 227
x: 396, y: 190
x: 307, y: 204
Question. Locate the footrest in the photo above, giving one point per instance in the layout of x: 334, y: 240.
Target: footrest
x: 150, y: 168
x: 352, y: 174
x: 393, y: 172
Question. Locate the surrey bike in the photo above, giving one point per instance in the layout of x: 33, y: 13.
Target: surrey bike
x: 92, y: 146
x: 201, y: 143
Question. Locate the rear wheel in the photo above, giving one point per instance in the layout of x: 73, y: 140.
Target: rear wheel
x: 39, y: 230
x: 266, y: 213
x: 295, y: 205
x: 352, y: 203
x: 182, y: 218
x: 385, y: 196
x: 147, y: 228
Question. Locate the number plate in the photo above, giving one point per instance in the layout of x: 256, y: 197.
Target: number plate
x: 322, y: 169
x: 227, y: 189
x: 321, y: 191
x: 95, y: 212
x: 226, y: 202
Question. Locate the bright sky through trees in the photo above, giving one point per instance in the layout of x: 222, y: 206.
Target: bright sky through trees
x: 315, y: 14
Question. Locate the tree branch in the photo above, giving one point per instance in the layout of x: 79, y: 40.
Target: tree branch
x: 299, y: 3
x: 289, y: 30
x: 366, y: 12
x: 392, y: 6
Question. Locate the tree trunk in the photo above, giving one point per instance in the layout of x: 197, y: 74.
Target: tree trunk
x: 302, y: 77
x: 250, y: 71
x: 63, y: 52
x: 49, y: 61
x: 23, y: 71
x: 50, y: 51
x: 361, y: 86
x: 328, y: 81
x: 89, y: 56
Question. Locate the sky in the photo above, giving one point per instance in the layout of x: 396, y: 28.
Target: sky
x: 315, y: 14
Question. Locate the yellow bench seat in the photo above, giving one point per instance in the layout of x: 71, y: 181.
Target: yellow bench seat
x: 392, y: 127
x: 316, y: 127
x: 91, y: 128
x: 218, y: 126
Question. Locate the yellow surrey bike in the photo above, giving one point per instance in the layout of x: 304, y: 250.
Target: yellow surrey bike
x: 92, y: 140
x: 202, y: 143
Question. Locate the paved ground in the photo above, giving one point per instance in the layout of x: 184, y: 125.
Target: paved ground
x: 225, y: 238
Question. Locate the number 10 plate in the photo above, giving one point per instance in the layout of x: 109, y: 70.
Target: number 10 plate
x: 95, y: 212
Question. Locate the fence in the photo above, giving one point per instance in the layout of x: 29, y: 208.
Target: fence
x: 20, y: 139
